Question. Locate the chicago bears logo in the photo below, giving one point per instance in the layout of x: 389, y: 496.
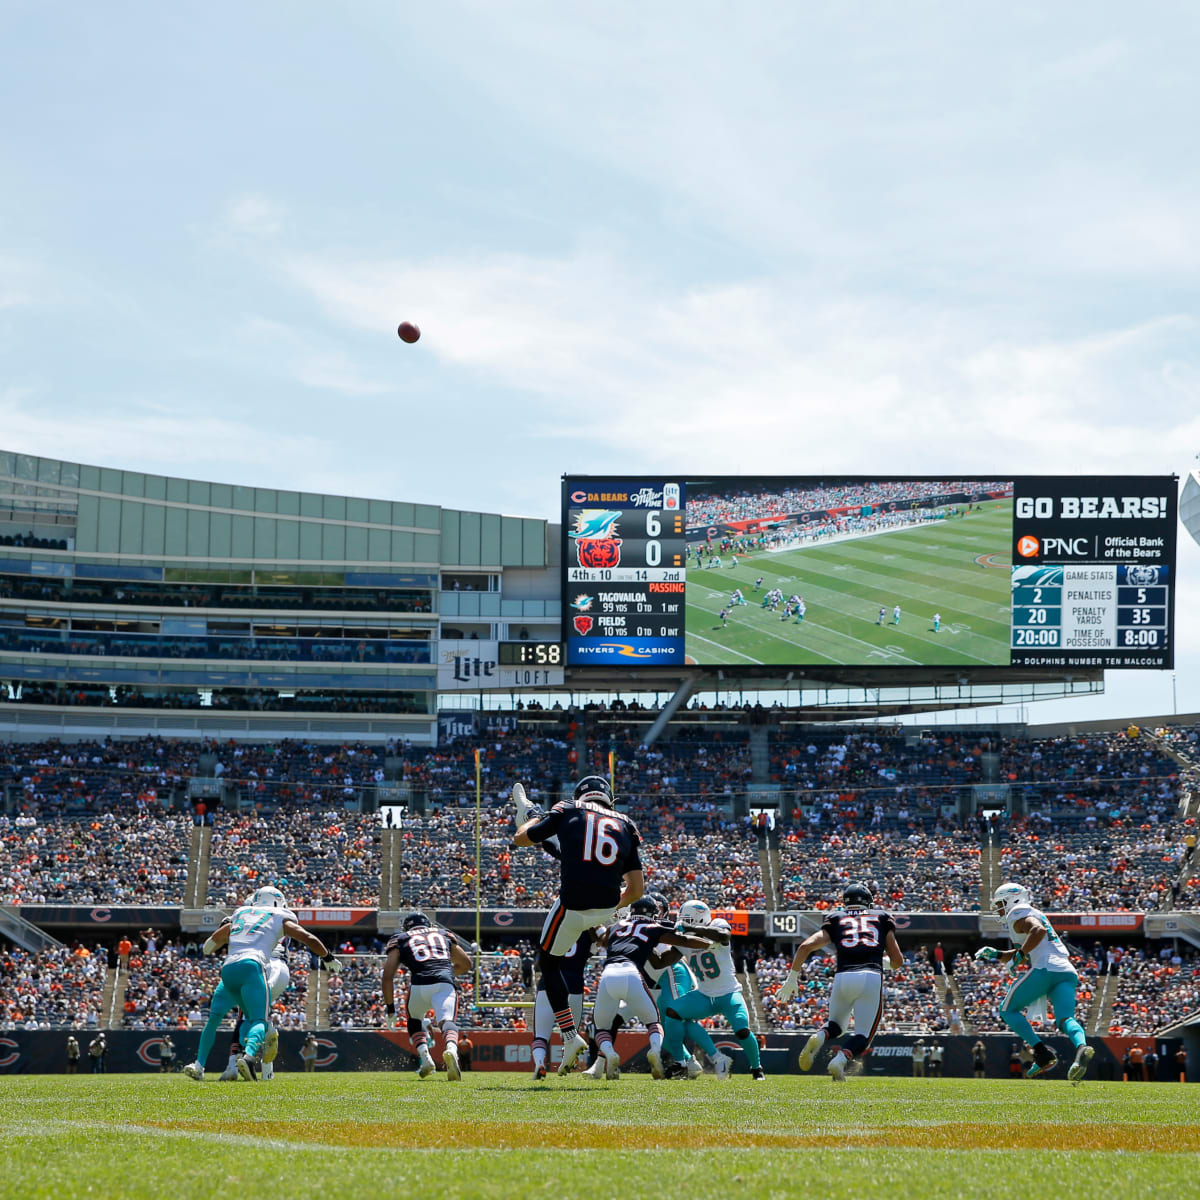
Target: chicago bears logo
x: 330, y: 1057
x: 583, y: 625
x: 143, y: 1051
x: 11, y: 1052
x: 598, y: 552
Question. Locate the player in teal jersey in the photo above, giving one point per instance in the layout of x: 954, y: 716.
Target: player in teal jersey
x: 1051, y: 976
x: 718, y: 993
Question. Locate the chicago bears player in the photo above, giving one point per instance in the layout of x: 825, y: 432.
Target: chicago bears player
x: 718, y: 993
x: 253, y: 933
x: 859, y: 934
x: 572, y: 971
x: 623, y: 984
x: 600, y: 872
x: 1051, y: 975
x: 432, y: 958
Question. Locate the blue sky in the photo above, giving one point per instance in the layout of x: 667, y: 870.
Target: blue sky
x: 783, y: 237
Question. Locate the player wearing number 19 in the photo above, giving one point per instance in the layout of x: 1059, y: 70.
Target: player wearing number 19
x: 859, y: 935
x: 600, y: 872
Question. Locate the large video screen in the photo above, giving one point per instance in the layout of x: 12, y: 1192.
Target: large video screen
x: 1038, y: 571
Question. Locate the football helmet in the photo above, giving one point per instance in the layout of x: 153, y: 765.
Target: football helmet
x: 646, y: 906
x: 414, y: 920
x: 266, y: 897
x: 661, y: 902
x: 1008, y: 896
x: 694, y: 912
x: 721, y: 924
x: 857, y: 895
x: 595, y: 789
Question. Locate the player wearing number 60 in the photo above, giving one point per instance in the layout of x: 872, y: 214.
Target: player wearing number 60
x: 601, y: 872
x: 859, y: 935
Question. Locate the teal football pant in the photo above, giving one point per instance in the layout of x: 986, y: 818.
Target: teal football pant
x: 674, y: 982
x: 1059, y: 988
x: 243, y: 985
x: 696, y: 1006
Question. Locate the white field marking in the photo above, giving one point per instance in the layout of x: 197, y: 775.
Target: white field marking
x: 727, y: 649
x: 833, y: 632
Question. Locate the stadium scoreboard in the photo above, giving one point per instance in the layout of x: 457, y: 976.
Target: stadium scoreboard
x: 1036, y: 571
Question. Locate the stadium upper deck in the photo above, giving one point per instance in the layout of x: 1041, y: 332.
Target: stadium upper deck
x: 125, y: 590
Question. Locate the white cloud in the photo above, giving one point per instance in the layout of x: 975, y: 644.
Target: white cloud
x: 255, y: 216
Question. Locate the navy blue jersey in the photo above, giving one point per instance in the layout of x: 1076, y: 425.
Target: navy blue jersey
x: 859, y: 938
x: 598, y: 846
x: 633, y: 940
x: 425, y: 954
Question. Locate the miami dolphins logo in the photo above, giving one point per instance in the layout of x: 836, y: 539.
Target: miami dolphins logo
x: 596, y: 541
x: 582, y: 603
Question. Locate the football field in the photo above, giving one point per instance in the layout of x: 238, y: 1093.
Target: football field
x: 958, y: 568
x: 501, y: 1135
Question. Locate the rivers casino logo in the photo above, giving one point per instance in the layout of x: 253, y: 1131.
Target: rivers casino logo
x: 596, y: 543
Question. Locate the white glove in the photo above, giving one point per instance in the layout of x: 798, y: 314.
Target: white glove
x: 790, y: 986
x: 209, y: 947
x: 331, y: 964
x: 521, y: 804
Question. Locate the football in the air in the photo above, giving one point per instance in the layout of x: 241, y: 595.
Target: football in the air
x: 408, y: 332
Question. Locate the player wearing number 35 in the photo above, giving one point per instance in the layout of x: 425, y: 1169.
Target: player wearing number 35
x: 859, y: 935
x: 601, y: 872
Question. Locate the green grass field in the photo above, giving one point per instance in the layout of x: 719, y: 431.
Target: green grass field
x: 501, y: 1135
x: 938, y: 568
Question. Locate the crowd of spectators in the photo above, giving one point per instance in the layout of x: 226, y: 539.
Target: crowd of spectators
x: 764, y: 503
x: 1155, y: 987
x: 59, y: 987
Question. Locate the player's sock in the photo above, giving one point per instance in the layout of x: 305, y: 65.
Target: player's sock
x: 1074, y: 1031
x: 450, y: 1031
x: 749, y: 1044
x: 539, y: 1052
x: 820, y: 1037
x: 656, y: 1037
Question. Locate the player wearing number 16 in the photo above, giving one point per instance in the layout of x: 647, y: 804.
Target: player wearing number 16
x: 859, y: 934
x: 601, y: 872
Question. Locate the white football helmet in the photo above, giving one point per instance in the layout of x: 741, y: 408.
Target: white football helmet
x: 721, y: 924
x: 694, y: 912
x: 266, y: 897
x: 1008, y: 896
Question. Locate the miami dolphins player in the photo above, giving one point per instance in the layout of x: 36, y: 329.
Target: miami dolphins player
x: 669, y: 980
x: 1051, y: 975
x: 252, y: 935
x: 718, y: 993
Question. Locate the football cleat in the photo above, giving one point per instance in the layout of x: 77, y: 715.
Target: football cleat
x: 596, y: 1070
x: 855, y: 1068
x: 694, y: 1069
x: 194, y: 1071
x: 249, y: 1067
x: 809, y: 1052
x: 522, y: 805
x: 758, y: 1075
x: 268, y: 1072
x: 450, y: 1058
x: 654, y: 1058
x: 426, y: 1068
x: 539, y: 1072
x: 612, y: 1066
x: 1078, y: 1069
x: 1044, y: 1061
x: 571, y: 1051
x: 271, y: 1046
x: 722, y: 1065
x: 837, y: 1068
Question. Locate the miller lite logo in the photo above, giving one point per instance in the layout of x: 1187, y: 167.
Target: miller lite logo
x: 583, y: 625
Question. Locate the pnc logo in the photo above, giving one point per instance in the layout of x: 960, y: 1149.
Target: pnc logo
x: 1028, y: 546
